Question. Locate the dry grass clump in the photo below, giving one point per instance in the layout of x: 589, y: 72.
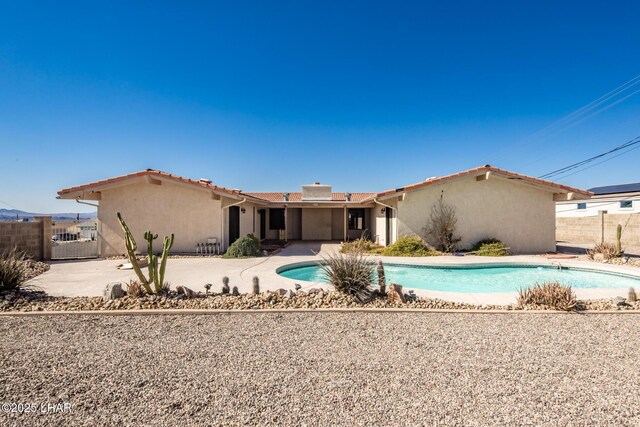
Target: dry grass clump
x: 135, y: 289
x: 604, y: 250
x: 550, y: 294
x: 350, y: 274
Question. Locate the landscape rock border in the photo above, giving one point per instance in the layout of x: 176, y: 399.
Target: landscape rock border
x: 25, y: 301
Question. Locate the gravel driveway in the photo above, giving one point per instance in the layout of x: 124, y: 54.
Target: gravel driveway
x: 325, y: 369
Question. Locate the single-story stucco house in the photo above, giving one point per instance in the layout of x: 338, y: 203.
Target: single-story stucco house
x: 490, y: 202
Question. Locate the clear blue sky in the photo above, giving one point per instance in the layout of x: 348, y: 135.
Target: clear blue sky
x: 271, y: 95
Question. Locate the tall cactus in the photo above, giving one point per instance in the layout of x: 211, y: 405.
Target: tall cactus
x: 619, y: 240
x: 167, y: 244
x: 381, y: 278
x: 131, y: 246
x: 156, y: 274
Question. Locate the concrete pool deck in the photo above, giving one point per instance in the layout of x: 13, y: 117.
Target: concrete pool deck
x: 89, y: 277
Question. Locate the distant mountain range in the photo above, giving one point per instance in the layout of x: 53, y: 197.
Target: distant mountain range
x: 13, y: 214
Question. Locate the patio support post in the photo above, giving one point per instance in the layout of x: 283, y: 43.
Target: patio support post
x: 344, y: 225
x: 285, y: 223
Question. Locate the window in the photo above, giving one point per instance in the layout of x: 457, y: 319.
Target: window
x: 356, y: 219
x: 626, y: 204
x: 582, y: 206
x: 276, y: 219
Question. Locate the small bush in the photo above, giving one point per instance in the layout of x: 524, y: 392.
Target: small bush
x: 550, y: 294
x: 13, y: 270
x: 351, y: 274
x: 244, y: 247
x: 407, y: 246
x: 490, y: 247
x: 357, y: 246
x: 604, y: 250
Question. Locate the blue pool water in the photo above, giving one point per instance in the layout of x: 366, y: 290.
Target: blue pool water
x: 480, y: 278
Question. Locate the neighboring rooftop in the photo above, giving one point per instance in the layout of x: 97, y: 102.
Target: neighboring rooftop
x: 616, y: 189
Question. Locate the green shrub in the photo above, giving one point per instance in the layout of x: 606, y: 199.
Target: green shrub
x: 351, y: 274
x: 13, y: 270
x: 244, y: 247
x: 407, y: 246
x: 360, y: 245
x: 549, y: 294
x: 490, y: 247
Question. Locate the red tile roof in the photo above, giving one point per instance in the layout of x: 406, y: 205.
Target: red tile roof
x: 149, y: 172
x: 487, y: 168
x: 278, y: 197
x: 297, y: 196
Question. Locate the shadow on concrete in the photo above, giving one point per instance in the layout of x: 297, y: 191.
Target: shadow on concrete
x: 309, y: 248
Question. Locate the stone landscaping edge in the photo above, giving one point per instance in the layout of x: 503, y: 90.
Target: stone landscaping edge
x: 204, y: 311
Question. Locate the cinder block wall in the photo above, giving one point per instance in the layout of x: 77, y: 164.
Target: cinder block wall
x: 33, y: 238
x: 595, y: 229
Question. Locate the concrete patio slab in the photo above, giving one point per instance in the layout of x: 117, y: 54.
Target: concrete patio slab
x: 89, y: 277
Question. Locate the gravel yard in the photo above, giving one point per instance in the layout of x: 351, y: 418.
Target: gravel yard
x: 325, y: 369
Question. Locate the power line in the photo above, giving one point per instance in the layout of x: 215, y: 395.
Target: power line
x: 599, y: 163
x: 576, y: 117
x: 10, y: 205
x: 589, y: 160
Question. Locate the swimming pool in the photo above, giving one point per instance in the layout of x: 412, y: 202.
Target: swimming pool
x: 480, y: 278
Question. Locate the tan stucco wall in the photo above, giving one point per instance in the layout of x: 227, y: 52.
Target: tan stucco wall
x: 248, y: 220
x: 523, y: 217
x: 191, y: 214
x: 294, y: 224
x: 316, y: 224
x: 379, y: 223
x: 337, y: 224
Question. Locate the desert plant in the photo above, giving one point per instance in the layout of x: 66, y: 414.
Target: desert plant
x: 407, y: 246
x: 244, y: 247
x: 382, y: 283
x: 550, y: 294
x: 360, y: 245
x: 13, y: 271
x: 350, y: 274
x: 632, y: 297
x: 440, y: 231
x: 490, y: 247
x: 619, y: 240
x: 225, y: 285
x: 135, y: 289
x: 256, y: 285
x: 604, y: 250
x: 156, y: 273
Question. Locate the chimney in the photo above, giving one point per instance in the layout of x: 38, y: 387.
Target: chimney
x: 316, y: 192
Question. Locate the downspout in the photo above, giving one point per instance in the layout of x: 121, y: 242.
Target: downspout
x: 85, y: 203
x: 244, y: 199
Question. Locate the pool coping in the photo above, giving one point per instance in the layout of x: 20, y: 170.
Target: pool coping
x: 486, y: 298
